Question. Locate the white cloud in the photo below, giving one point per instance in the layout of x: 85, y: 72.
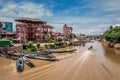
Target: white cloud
x: 111, y: 5
x: 57, y: 27
x: 80, y: 24
x: 75, y: 10
x: 103, y: 6
x: 34, y: 10
x: 12, y: 10
x: 107, y: 9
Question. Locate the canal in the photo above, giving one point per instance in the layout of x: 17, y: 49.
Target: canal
x: 101, y: 63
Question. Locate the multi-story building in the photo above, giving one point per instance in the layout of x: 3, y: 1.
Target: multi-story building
x: 6, y: 30
x: 67, y: 30
x: 57, y: 34
x: 28, y: 29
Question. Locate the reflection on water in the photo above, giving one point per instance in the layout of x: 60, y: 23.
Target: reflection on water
x: 112, y: 54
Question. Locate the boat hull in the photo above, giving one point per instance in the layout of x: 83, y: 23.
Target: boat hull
x: 20, y: 64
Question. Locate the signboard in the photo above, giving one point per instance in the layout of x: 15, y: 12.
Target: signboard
x: 6, y: 27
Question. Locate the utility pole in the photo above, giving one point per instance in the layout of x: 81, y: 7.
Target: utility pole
x: 21, y: 40
x: 0, y: 34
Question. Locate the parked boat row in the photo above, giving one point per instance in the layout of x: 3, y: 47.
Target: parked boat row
x: 2, y: 54
x: 61, y: 51
x: 23, y: 58
x: 43, y: 55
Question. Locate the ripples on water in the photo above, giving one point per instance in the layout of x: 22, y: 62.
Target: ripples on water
x: 109, y: 53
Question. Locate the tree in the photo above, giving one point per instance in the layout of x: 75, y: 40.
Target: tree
x: 47, y: 36
x: 59, y: 39
x: 51, y: 41
x: 31, y: 47
x: 74, y: 35
x: 38, y: 45
x: 112, y: 35
x: 111, y: 27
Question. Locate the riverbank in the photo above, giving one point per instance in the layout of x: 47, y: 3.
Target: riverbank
x: 39, y: 63
x: 111, y: 45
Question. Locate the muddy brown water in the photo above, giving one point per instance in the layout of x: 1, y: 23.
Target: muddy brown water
x: 101, y: 63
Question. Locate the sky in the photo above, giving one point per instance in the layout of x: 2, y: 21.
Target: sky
x: 90, y: 17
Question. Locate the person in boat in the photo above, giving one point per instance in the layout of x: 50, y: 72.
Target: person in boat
x: 83, y: 45
x: 90, y: 48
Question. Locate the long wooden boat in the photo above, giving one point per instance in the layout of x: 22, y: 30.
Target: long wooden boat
x: 20, y: 64
x: 90, y: 48
x: 8, y: 56
x: 28, y: 62
x: 56, y: 51
x: 70, y: 50
x: 49, y: 58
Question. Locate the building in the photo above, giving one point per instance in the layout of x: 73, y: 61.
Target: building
x: 57, y: 34
x: 6, y: 35
x: 6, y: 27
x: 28, y: 29
x: 6, y: 30
x: 67, y: 30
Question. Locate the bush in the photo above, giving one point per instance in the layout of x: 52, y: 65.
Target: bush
x: 51, y: 41
x: 38, y: 45
x: 10, y: 38
x: 52, y: 46
x: 59, y: 44
x: 46, y: 46
x: 28, y: 50
x: 59, y: 39
x: 31, y: 47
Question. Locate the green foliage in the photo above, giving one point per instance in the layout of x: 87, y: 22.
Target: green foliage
x: 59, y: 39
x: 31, y: 47
x: 52, y: 46
x: 74, y: 35
x: 30, y: 44
x: 112, y: 35
x: 47, y: 37
x: 69, y: 38
x: 28, y: 50
x: 10, y: 38
x: 51, y: 41
x: 111, y: 27
x: 38, y: 45
x: 58, y: 43
x: 46, y: 46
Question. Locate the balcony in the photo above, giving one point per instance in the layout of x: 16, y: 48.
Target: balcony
x: 21, y: 25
